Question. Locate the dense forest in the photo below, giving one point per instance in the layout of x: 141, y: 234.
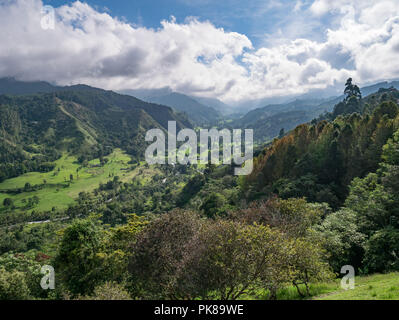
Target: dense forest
x: 321, y: 196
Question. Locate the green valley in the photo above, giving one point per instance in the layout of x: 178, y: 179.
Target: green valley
x: 59, y: 188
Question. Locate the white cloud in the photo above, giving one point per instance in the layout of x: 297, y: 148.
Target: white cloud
x: 195, y: 57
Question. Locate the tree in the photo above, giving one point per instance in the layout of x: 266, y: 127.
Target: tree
x: 391, y: 150
x: 27, y: 187
x: 158, y: 251
x: 341, y: 238
x: 78, y: 262
x: 7, y: 202
x: 352, y: 90
x: 13, y: 285
x: 282, y: 133
x: 229, y: 259
x: 309, y: 264
x: 213, y: 204
x: 382, y: 251
x: 294, y: 217
x: 190, y: 189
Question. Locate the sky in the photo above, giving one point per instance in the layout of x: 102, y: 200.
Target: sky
x: 231, y: 50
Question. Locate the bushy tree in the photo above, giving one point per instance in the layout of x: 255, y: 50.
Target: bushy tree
x: 341, y: 238
x: 78, y: 263
x: 13, y: 285
x: 213, y: 204
x: 7, y: 202
x: 309, y: 264
x: 158, y: 251
x: 229, y: 259
x: 294, y: 217
x: 382, y: 251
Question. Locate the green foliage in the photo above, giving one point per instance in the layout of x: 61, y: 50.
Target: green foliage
x: 370, y: 228
x: 78, y: 261
x: 213, y: 205
x: 341, y: 238
x: 229, y: 259
x: 108, y: 291
x: 382, y: 251
x: 7, y: 202
x: 157, y: 252
x: 190, y: 189
x: 390, y: 153
x: 13, y: 285
x: 319, y: 161
x: 25, y: 268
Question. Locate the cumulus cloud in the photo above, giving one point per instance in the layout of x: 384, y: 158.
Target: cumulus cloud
x: 196, y: 57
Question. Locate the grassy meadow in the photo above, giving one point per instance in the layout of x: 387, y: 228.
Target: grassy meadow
x: 58, y: 190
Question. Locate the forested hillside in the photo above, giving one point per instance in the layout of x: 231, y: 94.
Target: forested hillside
x: 319, y: 160
x: 84, y: 121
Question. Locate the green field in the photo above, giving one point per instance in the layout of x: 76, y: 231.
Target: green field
x: 375, y: 287
x: 57, y: 189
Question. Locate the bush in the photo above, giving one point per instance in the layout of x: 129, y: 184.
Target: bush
x: 382, y: 251
x: 13, y: 285
x: 108, y: 291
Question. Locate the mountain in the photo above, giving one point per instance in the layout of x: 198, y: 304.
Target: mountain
x: 13, y: 86
x: 216, y: 104
x: 82, y: 120
x: 375, y: 87
x: 144, y: 94
x: 196, y: 112
x: 268, y: 121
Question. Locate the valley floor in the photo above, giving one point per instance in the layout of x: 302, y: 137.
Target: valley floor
x: 55, y: 188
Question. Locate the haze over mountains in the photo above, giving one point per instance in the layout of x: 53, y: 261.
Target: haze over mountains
x: 197, y: 112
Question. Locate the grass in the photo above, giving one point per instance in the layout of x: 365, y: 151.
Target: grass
x: 374, y: 287
x: 58, y: 191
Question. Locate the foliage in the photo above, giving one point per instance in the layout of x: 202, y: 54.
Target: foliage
x: 156, y: 254
x: 341, y: 238
x: 108, y: 291
x: 320, y: 160
x: 13, y: 285
x: 78, y: 261
x: 382, y: 251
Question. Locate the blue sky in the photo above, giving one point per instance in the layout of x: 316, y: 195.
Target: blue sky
x: 232, y: 50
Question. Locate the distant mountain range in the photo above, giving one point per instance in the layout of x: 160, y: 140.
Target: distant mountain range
x: 198, y: 113
x: 266, y: 121
x: 200, y: 110
x: 269, y: 120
